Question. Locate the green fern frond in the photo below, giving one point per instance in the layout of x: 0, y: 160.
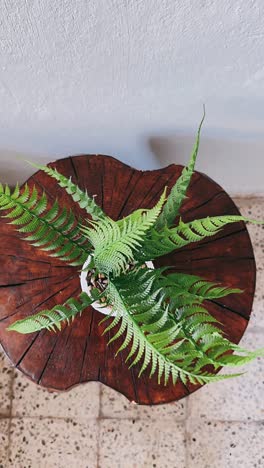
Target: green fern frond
x: 115, y: 243
x: 178, y: 192
x: 158, y: 244
x: 52, y: 319
x: 53, y: 230
x: 169, y: 346
x: 79, y: 196
x: 204, y: 344
x: 183, y: 289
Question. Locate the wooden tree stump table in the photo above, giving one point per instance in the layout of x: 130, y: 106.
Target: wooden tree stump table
x: 32, y: 281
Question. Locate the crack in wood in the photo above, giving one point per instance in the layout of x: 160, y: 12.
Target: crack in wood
x: 36, y: 306
x: 134, y: 385
x: 47, y: 362
x: 197, y: 207
x: 129, y: 193
x: 224, y: 306
x: 10, y: 285
x: 26, y: 350
x: 211, y: 240
x: 50, y: 297
x: 33, y: 342
x: 87, y: 341
x: 83, y: 358
x: 32, y: 280
x: 150, y: 190
x: 159, y: 193
x: 74, y: 169
x: 226, y: 257
x: 44, y: 189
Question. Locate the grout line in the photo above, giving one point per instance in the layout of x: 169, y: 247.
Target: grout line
x: 186, y: 434
x: 248, y: 422
x: 99, y: 426
x: 11, y: 389
x: 255, y: 330
x: 140, y: 418
x: 98, y: 443
x: 247, y: 197
x: 150, y: 420
x: 83, y: 420
x: 187, y: 407
x: 100, y: 400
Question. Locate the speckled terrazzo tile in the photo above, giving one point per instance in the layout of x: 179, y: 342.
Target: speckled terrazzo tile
x: 225, y: 445
x: 6, y: 373
x: 53, y: 443
x: 238, y: 399
x: 81, y: 402
x: 4, y: 425
x: 115, y: 405
x: 254, y: 208
x: 141, y: 443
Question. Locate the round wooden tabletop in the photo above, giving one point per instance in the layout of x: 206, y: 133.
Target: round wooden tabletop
x: 30, y: 280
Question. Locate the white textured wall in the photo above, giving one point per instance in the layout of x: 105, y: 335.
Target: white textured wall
x: 128, y: 78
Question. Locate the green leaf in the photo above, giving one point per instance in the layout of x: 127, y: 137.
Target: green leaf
x: 158, y: 244
x: 177, y: 194
x: 177, y: 343
x: 79, y: 196
x: 183, y: 289
x: 52, y: 319
x: 53, y: 230
x: 115, y: 243
x: 156, y: 338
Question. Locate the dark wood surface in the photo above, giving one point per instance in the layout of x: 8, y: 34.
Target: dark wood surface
x: 30, y: 280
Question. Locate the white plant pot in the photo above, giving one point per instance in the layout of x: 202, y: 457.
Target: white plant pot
x: 86, y: 288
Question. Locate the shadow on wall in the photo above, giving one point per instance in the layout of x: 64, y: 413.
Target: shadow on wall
x: 235, y: 162
x: 237, y: 165
x: 14, y: 167
x: 129, y: 146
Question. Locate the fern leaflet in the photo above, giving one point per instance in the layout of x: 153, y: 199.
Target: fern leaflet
x: 53, y: 230
x: 156, y: 337
x: 52, y: 319
x: 79, y: 196
x: 178, y: 192
x: 183, y: 289
x: 158, y: 244
x: 115, y: 243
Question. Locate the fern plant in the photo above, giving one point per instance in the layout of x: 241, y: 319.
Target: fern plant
x: 161, y: 317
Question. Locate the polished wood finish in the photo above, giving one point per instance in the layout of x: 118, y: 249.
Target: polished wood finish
x: 30, y: 280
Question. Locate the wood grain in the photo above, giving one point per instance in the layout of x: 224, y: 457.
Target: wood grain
x: 30, y: 280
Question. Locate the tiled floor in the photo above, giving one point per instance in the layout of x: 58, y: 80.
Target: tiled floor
x: 220, y: 426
